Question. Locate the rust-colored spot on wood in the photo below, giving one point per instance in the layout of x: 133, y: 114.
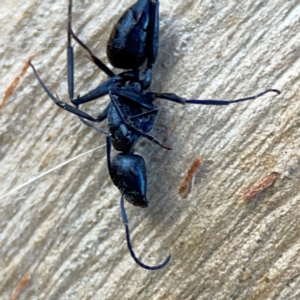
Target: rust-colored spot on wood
x: 22, y: 284
x: 49, y: 138
x: 264, y: 184
x: 265, y: 278
x: 46, y: 159
x: 245, y: 276
x: 13, y: 85
x: 187, y: 182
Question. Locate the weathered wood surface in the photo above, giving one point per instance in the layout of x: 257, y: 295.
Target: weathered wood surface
x: 62, y: 234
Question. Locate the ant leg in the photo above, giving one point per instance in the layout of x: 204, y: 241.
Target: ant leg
x: 98, y: 92
x: 125, y: 222
x: 142, y: 99
x: 108, y: 150
x: 74, y: 110
x: 70, y: 56
x: 130, y: 124
x: 91, y: 56
x: 85, y: 122
x: 178, y: 99
x: 150, y: 112
x: 146, y: 126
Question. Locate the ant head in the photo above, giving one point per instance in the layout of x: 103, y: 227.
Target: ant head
x: 128, y: 173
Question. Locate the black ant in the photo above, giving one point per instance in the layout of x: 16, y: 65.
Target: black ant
x: 131, y: 112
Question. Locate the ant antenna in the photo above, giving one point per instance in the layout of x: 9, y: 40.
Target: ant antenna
x: 125, y: 222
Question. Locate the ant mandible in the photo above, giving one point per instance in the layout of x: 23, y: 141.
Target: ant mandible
x: 130, y: 112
